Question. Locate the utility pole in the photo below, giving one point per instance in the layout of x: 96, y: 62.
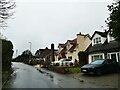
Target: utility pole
x: 52, y: 52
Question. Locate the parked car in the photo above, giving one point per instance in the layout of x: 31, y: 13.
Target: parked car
x: 64, y: 62
x: 54, y: 62
x: 99, y: 67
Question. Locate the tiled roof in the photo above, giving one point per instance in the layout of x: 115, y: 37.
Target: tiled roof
x: 73, y: 47
x: 63, y: 50
x: 112, y: 46
x: 62, y: 45
x: 44, y: 53
x: 72, y: 42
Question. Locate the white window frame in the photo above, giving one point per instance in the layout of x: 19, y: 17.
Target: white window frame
x: 97, y: 40
x: 90, y: 56
x: 116, y: 53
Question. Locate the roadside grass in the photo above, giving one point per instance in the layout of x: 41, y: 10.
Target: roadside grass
x: 73, y: 70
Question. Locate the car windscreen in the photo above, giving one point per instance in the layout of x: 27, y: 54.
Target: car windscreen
x: 98, y: 62
x: 64, y: 59
x: 68, y: 60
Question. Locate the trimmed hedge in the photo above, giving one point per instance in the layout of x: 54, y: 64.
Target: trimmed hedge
x: 7, y: 53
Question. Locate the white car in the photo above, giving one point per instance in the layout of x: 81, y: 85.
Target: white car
x: 54, y: 62
x: 64, y: 62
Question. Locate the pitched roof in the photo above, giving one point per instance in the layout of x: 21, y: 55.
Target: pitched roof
x: 103, y: 34
x: 73, y: 47
x: 112, y: 46
x: 74, y: 44
x: 61, y: 44
x: 45, y: 53
x: 63, y: 50
x: 74, y: 41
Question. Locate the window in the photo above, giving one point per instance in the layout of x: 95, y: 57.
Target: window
x: 97, y: 40
x: 96, y: 57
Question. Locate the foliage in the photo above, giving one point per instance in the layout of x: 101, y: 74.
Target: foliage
x: 113, y: 21
x: 7, y: 53
x: 73, y: 70
x: 24, y: 57
x: 6, y: 11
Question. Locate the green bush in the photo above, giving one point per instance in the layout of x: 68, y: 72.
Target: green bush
x: 72, y: 70
x: 7, y: 53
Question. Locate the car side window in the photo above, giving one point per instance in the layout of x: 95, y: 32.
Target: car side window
x: 108, y: 62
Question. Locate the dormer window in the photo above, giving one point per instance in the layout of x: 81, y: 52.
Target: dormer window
x: 97, y: 40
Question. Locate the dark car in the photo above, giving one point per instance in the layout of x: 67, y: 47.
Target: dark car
x: 99, y: 67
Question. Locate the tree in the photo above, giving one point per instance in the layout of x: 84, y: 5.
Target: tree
x: 113, y: 21
x: 6, y: 11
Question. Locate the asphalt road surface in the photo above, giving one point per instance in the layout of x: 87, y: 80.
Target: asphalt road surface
x: 26, y: 76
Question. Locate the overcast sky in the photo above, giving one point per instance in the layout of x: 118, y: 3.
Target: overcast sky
x: 43, y: 22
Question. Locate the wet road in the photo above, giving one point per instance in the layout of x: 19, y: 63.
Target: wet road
x: 26, y: 76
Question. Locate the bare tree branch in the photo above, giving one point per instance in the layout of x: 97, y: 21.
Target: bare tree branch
x: 6, y: 11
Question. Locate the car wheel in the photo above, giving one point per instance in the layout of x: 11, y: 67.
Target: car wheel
x: 98, y: 72
x: 71, y: 64
x: 57, y: 64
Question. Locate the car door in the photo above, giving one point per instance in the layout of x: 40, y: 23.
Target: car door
x: 108, y: 66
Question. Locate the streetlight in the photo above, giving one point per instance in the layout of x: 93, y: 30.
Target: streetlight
x: 30, y: 45
x: 30, y: 52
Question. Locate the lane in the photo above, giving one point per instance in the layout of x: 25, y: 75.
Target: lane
x: 26, y: 76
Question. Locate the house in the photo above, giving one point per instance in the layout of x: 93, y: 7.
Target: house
x: 71, y: 48
x: 103, y: 46
x: 43, y: 53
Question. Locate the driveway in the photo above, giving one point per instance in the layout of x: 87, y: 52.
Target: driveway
x: 86, y: 81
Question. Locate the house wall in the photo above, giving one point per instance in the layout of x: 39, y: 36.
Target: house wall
x: 68, y: 45
x: 83, y: 42
x: 90, y: 56
x: 60, y: 48
x: 75, y: 56
x: 96, y: 36
x: 56, y: 57
x: 69, y: 54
